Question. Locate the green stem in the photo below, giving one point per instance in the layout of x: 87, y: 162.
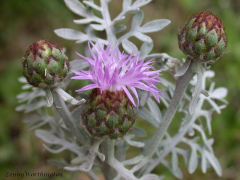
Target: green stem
x: 181, y: 85
x: 68, y: 120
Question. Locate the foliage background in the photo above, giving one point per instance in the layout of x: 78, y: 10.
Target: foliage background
x: 23, y: 22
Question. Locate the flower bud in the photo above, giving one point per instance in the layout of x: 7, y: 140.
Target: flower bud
x: 203, y: 38
x: 109, y: 114
x: 44, y: 64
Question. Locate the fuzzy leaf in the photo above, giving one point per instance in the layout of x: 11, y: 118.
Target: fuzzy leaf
x: 155, y: 25
x: 154, y: 110
x: 219, y: 93
x: 129, y: 47
x: 127, y: 4
x: 137, y: 20
x: 76, y: 7
x: 145, y: 49
x: 119, y: 28
x: 140, y: 3
x: 139, y: 132
x: 98, y: 27
x: 214, y: 162
x: 142, y: 37
x: 92, y: 5
x: 177, y: 173
x: 132, y: 161
x: 193, y: 161
x: 70, y: 34
x: 83, y: 21
x: 147, y: 115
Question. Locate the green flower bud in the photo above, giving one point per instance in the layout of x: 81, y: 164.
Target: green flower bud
x: 108, y: 115
x: 44, y: 64
x: 203, y: 38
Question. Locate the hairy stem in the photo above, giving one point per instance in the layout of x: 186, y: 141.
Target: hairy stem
x: 68, y: 120
x: 181, y: 85
x: 107, y: 147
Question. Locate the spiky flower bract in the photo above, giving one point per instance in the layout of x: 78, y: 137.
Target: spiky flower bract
x: 110, y: 108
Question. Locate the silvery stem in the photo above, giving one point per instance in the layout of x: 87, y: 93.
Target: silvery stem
x: 181, y: 85
x: 67, y: 118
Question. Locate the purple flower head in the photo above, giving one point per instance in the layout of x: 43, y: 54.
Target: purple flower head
x: 114, y: 71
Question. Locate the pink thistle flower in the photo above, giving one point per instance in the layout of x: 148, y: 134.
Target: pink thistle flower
x: 114, y: 71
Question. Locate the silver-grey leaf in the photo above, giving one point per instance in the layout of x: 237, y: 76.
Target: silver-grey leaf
x: 145, y: 49
x: 155, y: 25
x: 140, y: 3
x: 126, y: 4
x: 92, y: 5
x: 83, y: 21
x: 98, y: 27
x: 142, y: 37
x: 137, y: 20
x: 119, y: 28
x: 70, y: 34
x: 154, y: 110
x: 193, y: 160
x: 147, y: 115
x: 174, y: 161
x: 139, y: 132
x: 76, y: 7
x: 129, y: 47
x: 214, y: 162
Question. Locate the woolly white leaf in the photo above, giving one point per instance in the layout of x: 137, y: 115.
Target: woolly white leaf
x: 139, y: 132
x: 214, y: 162
x: 119, y: 28
x: 204, y: 164
x: 70, y: 34
x: 83, y: 21
x: 127, y: 4
x: 154, y: 110
x: 46, y: 136
x: 155, y: 25
x: 146, y: 115
x: 145, y: 49
x: 174, y: 161
x: 219, y: 93
x: 140, y: 3
x: 193, y: 161
x: 129, y: 47
x: 177, y: 173
x: 132, y: 161
x: 98, y: 27
x: 137, y: 20
x: 92, y: 5
x: 76, y: 7
x: 142, y: 37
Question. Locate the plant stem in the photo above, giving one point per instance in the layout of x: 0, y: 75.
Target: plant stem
x: 68, y: 120
x: 181, y: 85
x: 107, y: 147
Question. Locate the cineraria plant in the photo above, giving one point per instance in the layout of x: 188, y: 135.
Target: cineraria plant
x: 99, y: 127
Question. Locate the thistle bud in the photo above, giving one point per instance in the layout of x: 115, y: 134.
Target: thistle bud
x: 203, y: 38
x: 44, y: 64
x: 108, y: 115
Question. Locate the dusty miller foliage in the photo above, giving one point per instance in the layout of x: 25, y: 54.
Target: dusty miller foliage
x: 59, y: 126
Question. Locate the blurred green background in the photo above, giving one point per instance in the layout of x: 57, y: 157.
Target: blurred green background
x: 23, y: 22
